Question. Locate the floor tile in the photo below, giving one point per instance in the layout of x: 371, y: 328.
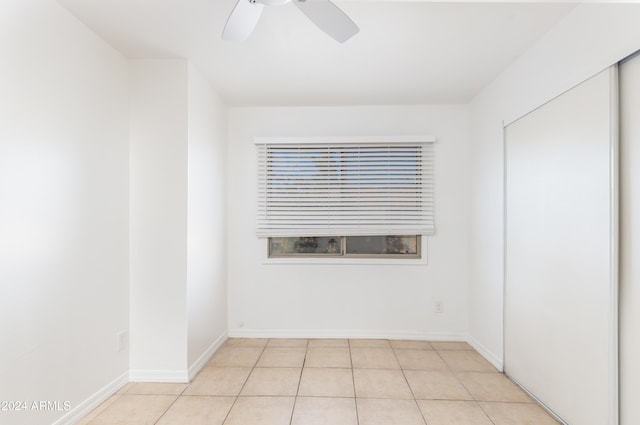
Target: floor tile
x: 324, y: 411
x: 487, y: 386
x: 261, y: 411
x: 328, y: 357
x: 220, y: 381
x: 236, y: 356
x: 415, y: 345
x: 323, y: 342
x: 466, y: 361
x: 386, y: 412
x: 251, y: 382
x: 135, y: 410
x: 287, y: 342
x: 272, y: 381
x: 518, y: 414
x: 446, y: 412
x: 373, y: 358
x: 370, y: 343
x: 101, y: 408
x: 420, y: 360
x: 126, y: 388
x: 198, y: 410
x: 436, y: 385
x: 450, y: 345
x: 156, y: 388
x: 326, y: 382
x: 282, y: 357
x: 246, y: 342
x: 381, y: 383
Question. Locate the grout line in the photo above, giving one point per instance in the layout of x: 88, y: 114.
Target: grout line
x: 295, y: 399
x: 410, y: 389
x: 244, y: 383
x: 455, y: 375
x: 474, y: 399
x: 168, y: 408
x: 174, y: 402
x: 485, y: 412
x: 353, y: 379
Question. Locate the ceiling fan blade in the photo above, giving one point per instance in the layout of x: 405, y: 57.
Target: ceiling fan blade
x: 329, y: 18
x: 242, y: 21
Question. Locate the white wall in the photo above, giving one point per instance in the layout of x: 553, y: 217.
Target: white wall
x: 206, y: 246
x: 158, y: 217
x: 63, y: 210
x: 591, y: 38
x: 178, y: 234
x: 629, y: 241
x: 350, y: 300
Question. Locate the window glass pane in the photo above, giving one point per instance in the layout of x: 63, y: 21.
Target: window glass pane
x: 325, y: 245
x: 382, y: 245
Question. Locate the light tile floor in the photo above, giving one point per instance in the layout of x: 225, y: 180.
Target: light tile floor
x: 331, y: 382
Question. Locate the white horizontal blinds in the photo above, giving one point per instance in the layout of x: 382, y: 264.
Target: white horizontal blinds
x: 345, y: 189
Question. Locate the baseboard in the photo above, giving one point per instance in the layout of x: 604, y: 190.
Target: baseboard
x: 373, y: 334
x: 208, y: 353
x: 486, y: 353
x: 144, y: 375
x: 180, y: 376
x: 342, y: 333
x: 84, y: 408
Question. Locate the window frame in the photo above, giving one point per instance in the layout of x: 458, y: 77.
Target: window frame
x: 265, y: 260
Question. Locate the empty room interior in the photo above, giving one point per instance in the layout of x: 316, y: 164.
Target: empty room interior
x: 311, y: 213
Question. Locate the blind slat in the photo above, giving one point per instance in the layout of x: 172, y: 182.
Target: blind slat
x: 328, y: 189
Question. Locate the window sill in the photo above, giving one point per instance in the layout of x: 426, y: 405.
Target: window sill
x: 346, y: 261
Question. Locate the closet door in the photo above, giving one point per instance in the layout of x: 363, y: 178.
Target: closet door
x: 630, y: 241
x: 561, y: 252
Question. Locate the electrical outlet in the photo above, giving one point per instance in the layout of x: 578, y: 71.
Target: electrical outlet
x: 123, y: 340
x: 438, y: 306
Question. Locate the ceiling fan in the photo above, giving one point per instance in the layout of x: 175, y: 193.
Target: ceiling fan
x: 326, y: 15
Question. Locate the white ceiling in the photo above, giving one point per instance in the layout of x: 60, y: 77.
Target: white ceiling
x: 407, y: 52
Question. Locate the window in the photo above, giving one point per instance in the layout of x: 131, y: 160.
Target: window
x: 364, y: 197
x: 389, y: 246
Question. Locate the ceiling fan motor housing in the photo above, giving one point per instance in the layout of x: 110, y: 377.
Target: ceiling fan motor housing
x: 271, y: 2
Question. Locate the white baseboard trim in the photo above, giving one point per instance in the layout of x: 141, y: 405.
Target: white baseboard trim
x: 180, y: 376
x: 342, y: 333
x: 84, y: 408
x: 486, y: 353
x: 208, y: 353
x: 374, y: 334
